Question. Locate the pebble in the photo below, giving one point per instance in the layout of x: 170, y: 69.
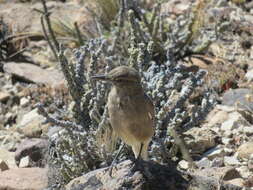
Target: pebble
x: 248, y: 130
x: 24, y: 101
x: 3, y: 165
x: 245, y: 150
x: 204, y: 163
x: 231, y: 161
x: 184, y: 165
x: 214, y: 152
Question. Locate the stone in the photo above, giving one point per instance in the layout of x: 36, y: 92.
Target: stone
x: 34, y: 74
x: 184, y: 165
x: 249, y: 181
x: 24, y: 162
x: 217, y: 162
x: 24, y: 101
x: 30, y: 116
x: 4, y: 96
x: 214, y: 152
x: 225, y: 108
x: 225, y: 173
x: 244, y: 171
x: 31, y: 124
x: 238, y: 97
x: 237, y: 181
x: 228, y: 151
x: 234, y: 125
x: 226, y: 140
x: 250, y: 162
x: 216, y: 116
x: 231, y: 161
x: 35, y: 149
x: 23, y: 17
x: 3, y: 165
x: 200, y: 139
x: 32, y: 129
x: 23, y: 178
x: 156, y: 177
x: 248, y: 130
x: 8, y: 158
x: 9, y: 139
x: 203, y: 163
x: 249, y: 75
x: 245, y: 150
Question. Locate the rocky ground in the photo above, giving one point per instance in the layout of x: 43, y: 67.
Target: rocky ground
x: 222, y: 146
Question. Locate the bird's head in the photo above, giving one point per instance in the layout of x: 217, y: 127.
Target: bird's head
x: 120, y: 75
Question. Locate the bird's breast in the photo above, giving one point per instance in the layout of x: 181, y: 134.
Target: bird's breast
x: 130, y: 116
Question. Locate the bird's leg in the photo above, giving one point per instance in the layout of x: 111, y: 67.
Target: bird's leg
x: 115, y: 159
x: 139, y: 155
x: 136, y: 162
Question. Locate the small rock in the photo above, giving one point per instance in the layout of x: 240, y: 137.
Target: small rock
x: 245, y: 150
x: 200, y: 139
x: 30, y: 116
x: 9, y: 139
x: 234, y: 121
x: 248, y: 130
x: 34, y: 148
x: 217, y: 162
x: 3, y: 165
x: 8, y: 158
x: 24, y: 162
x: 238, y: 97
x: 24, y: 101
x: 4, y: 96
x: 225, y: 173
x: 184, y: 165
x: 32, y: 129
x: 225, y: 108
x: 244, y: 171
x: 250, y: 162
x: 237, y: 181
x: 216, y: 116
x: 34, y: 74
x: 204, y: 163
x: 249, y: 180
x: 31, y: 124
x: 214, y: 152
x: 226, y: 140
x: 249, y: 75
x: 231, y: 161
x: 228, y: 151
x: 24, y: 178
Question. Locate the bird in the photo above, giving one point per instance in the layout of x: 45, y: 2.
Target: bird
x: 131, y: 111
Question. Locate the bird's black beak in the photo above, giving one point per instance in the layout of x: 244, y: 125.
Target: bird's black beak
x: 100, y: 77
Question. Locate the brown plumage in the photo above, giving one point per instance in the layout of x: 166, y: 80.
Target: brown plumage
x: 131, y: 111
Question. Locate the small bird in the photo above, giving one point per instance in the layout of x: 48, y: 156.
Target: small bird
x: 131, y: 112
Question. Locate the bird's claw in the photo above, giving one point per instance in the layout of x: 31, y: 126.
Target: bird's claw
x: 137, y: 165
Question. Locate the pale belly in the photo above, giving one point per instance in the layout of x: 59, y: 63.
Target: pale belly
x: 131, y: 120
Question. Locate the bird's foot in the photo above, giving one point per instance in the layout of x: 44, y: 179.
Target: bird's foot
x: 137, y: 165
